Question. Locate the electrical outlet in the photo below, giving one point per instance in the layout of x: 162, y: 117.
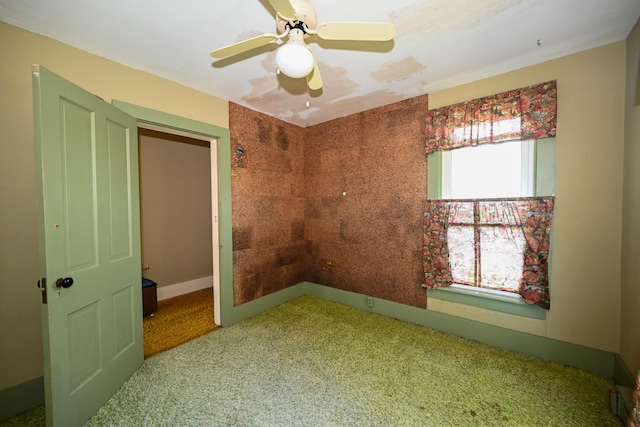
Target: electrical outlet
x: 369, y: 301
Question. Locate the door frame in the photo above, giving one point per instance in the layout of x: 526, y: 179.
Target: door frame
x: 220, y: 148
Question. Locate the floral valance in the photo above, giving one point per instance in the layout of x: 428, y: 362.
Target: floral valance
x: 526, y: 113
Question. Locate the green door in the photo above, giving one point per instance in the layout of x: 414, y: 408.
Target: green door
x: 89, y: 236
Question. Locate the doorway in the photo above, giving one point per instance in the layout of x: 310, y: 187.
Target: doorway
x: 225, y: 312
x: 176, y: 238
x: 176, y: 217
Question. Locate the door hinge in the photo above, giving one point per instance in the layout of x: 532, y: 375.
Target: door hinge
x: 42, y: 284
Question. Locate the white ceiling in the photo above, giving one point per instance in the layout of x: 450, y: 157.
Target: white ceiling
x: 439, y: 44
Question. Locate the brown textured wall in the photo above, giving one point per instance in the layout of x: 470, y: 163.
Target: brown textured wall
x: 349, y: 193
x: 365, y: 185
x: 267, y: 204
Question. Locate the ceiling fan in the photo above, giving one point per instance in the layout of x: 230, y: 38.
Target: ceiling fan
x: 297, y: 20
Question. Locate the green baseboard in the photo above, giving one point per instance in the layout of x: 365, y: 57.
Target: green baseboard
x: 248, y: 309
x: 621, y: 374
x: 582, y: 357
x: 22, y: 397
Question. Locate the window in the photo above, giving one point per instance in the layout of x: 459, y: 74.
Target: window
x: 536, y: 165
x: 486, y: 244
x: 484, y: 237
x: 490, y: 222
x: 489, y: 171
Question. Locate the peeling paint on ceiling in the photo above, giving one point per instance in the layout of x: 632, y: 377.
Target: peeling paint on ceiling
x: 399, y: 70
x: 420, y: 20
x: 438, y: 44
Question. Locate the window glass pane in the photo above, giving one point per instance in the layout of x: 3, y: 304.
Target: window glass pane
x: 501, y: 249
x: 486, y: 171
x: 461, y: 255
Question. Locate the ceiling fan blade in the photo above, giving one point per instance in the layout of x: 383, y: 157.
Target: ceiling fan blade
x: 314, y: 79
x: 284, y: 8
x: 358, y: 31
x: 244, y: 46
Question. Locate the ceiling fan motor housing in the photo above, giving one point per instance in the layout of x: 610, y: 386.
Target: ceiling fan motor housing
x: 304, y: 12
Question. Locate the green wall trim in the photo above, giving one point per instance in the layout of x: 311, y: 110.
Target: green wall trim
x: 434, y: 175
x: 582, y: 357
x: 170, y: 121
x: 489, y: 302
x: 223, y: 145
x: 267, y: 302
x: 621, y: 374
x: 22, y: 397
x: 545, y: 166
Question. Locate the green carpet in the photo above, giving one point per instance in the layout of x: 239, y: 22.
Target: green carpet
x: 311, y: 362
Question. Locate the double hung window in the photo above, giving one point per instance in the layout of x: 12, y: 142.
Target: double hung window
x: 485, y: 241
x: 485, y: 235
x: 490, y: 200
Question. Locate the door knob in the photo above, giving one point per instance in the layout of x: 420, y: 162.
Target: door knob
x: 64, y: 283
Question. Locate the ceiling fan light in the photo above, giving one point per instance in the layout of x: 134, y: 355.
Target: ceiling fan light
x: 294, y: 60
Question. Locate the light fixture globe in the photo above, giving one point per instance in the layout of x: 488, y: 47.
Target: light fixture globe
x: 294, y: 59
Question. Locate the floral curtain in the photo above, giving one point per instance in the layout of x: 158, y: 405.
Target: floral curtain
x: 634, y: 419
x: 526, y: 113
x: 510, y: 236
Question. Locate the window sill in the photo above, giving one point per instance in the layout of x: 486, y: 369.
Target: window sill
x: 492, y: 300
